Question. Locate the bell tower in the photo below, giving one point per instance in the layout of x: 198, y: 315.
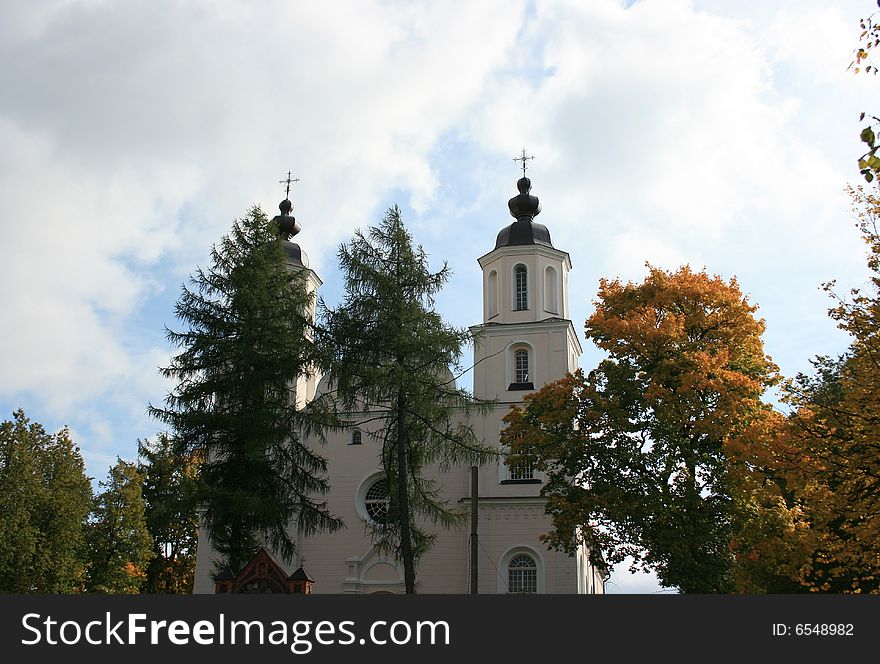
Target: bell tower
x: 287, y: 227
x: 526, y: 338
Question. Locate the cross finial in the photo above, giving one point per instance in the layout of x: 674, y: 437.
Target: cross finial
x: 524, y: 159
x: 288, y: 181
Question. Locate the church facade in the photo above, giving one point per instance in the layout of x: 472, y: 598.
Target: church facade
x: 525, y: 340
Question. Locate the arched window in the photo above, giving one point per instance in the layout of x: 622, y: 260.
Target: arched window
x: 355, y: 437
x: 550, y: 291
x: 522, y: 574
x: 521, y: 366
x: 521, y: 287
x: 376, y: 501
x: 492, y: 294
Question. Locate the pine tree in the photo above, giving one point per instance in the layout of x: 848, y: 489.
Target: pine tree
x: 170, y: 491
x: 44, y: 502
x: 391, y: 364
x: 120, y: 546
x: 248, y: 338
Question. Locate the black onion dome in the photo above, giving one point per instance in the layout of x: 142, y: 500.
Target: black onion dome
x: 285, y: 222
x: 524, y: 208
x: 287, y: 226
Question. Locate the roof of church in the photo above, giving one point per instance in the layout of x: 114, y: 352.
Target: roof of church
x: 295, y: 254
x: 524, y: 208
x: 301, y: 575
x: 543, y: 321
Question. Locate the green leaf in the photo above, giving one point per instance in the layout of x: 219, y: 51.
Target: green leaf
x: 867, y: 136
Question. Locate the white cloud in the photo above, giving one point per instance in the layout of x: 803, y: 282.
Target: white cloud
x: 668, y: 133
x: 631, y: 249
x: 135, y: 131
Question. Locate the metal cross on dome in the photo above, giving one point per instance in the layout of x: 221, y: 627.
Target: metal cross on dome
x: 288, y: 182
x: 524, y: 159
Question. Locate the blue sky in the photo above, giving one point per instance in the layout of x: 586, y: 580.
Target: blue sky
x: 719, y: 134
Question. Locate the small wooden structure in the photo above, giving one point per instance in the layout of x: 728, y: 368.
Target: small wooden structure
x: 263, y: 574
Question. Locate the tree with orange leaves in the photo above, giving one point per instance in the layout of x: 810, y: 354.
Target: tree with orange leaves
x: 852, y: 424
x: 634, y: 452
x: 822, y: 463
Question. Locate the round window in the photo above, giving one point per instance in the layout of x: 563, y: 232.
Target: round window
x: 376, y: 501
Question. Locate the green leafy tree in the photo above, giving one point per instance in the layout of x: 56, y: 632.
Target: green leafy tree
x: 248, y: 337
x: 44, y: 502
x: 391, y: 363
x: 635, y: 452
x: 170, y: 491
x: 120, y: 546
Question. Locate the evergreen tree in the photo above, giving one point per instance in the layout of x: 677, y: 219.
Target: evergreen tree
x: 44, y: 502
x: 120, y: 546
x: 391, y: 363
x: 171, y: 500
x: 248, y: 338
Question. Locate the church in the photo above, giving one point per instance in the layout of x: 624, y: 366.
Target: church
x: 525, y: 340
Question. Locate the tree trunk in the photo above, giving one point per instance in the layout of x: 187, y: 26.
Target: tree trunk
x: 235, y: 552
x: 406, y: 549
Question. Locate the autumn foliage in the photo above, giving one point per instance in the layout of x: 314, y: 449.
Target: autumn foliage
x: 817, y: 472
x: 637, y: 448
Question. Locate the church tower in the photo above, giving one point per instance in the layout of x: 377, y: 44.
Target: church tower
x: 298, y: 260
x: 526, y: 338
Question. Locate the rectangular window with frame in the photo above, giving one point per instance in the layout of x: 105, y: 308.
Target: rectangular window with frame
x: 521, y: 366
x: 521, y: 287
x: 523, y: 581
x: 524, y: 470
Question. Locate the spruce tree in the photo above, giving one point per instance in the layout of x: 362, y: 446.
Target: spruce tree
x: 247, y: 339
x: 391, y: 364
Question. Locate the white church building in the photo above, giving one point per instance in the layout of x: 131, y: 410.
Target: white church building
x: 526, y: 340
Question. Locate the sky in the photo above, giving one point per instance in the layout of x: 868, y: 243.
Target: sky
x: 718, y: 134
